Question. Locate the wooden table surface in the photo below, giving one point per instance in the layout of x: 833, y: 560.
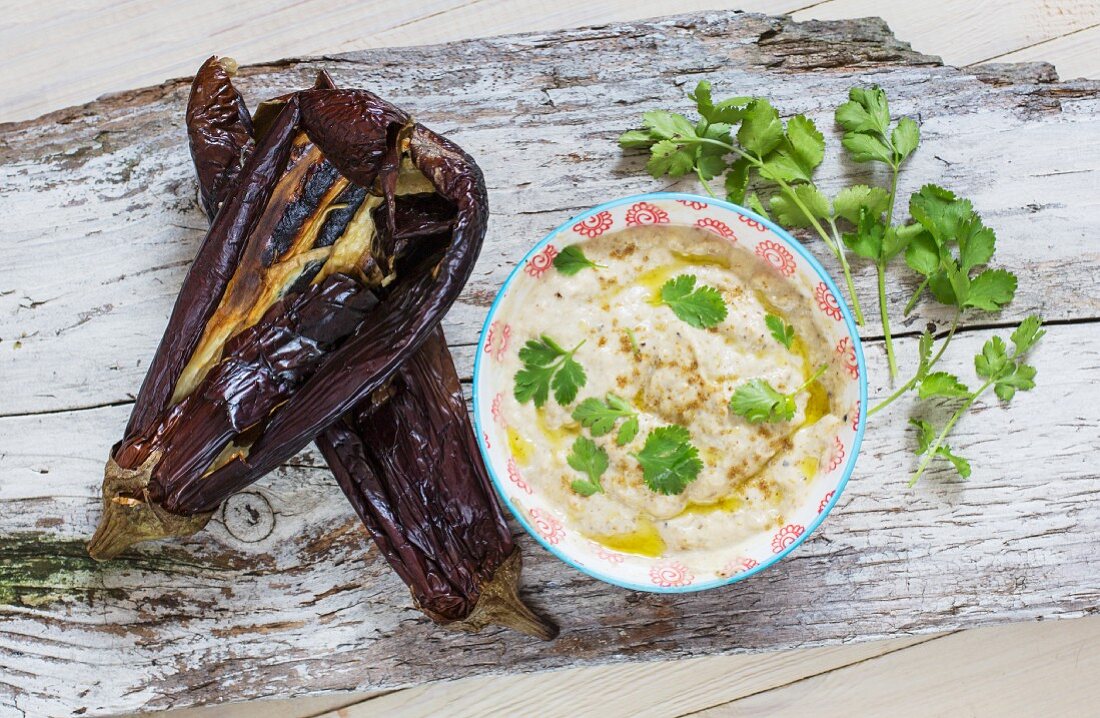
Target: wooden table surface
x: 1016, y: 543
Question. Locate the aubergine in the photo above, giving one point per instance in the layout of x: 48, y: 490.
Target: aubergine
x: 341, y: 231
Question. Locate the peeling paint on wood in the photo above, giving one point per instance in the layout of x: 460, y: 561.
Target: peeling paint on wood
x: 282, y: 594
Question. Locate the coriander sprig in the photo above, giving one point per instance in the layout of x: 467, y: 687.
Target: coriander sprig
x: 1003, y: 372
x: 702, y: 307
x: 546, y: 366
x: 761, y: 403
x: 599, y: 416
x: 591, y: 460
x: 780, y: 330
x: 669, y: 460
x: 783, y: 155
x: 572, y: 259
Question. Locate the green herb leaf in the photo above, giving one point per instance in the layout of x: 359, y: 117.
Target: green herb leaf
x: 865, y: 148
x: 993, y: 360
x: 791, y: 215
x: 627, y: 431
x: 759, y: 402
x: 757, y: 206
x: 761, y: 129
x: 702, y: 308
x: 589, y: 459
x: 669, y: 460
x: 737, y: 181
x: 547, y: 365
x: 667, y: 125
x: 991, y: 290
x: 636, y: 139
x: 905, y: 137
x: 866, y: 111
x: 961, y: 465
x: 600, y: 416
x: 1027, y: 334
x: 800, y: 152
x: 671, y: 158
x: 942, y: 384
x: 925, y: 435
x: 780, y: 330
x: 851, y: 201
x: 571, y: 260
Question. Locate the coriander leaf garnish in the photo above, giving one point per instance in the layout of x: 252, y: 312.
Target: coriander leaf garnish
x: 780, y: 330
x: 700, y: 307
x: 669, y: 460
x: 589, y: 459
x: 760, y: 403
x: 547, y: 365
x: 571, y: 260
x: 600, y: 415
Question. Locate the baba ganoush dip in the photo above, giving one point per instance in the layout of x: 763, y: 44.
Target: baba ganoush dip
x: 653, y: 365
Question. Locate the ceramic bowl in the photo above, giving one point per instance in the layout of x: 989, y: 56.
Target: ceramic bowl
x: 771, y: 245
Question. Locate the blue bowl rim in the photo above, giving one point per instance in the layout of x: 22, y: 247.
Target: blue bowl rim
x: 849, y: 324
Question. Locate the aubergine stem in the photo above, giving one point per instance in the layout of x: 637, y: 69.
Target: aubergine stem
x: 500, y: 605
x: 128, y: 519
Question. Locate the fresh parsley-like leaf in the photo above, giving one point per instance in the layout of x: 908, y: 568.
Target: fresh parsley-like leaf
x: 571, y: 260
x: 993, y: 359
x: 780, y: 330
x: 627, y: 431
x: 700, y: 307
x: 905, y: 137
x: 636, y: 139
x: 942, y: 384
x: 800, y: 152
x: 667, y: 125
x: 1027, y: 334
x: 925, y: 435
x: 850, y: 202
x: 991, y: 290
x: 759, y: 403
x: 961, y: 465
x: 591, y: 460
x: 867, y: 135
x: 546, y: 366
x: 790, y: 214
x: 600, y: 416
x: 669, y: 460
x: 757, y: 206
x: 761, y: 129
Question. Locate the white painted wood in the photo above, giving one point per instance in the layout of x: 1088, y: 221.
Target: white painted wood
x: 1029, y: 670
x: 294, y: 601
x: 58, y: 57
x: 1077, y: 53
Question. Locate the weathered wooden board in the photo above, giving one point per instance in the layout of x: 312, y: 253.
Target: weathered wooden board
x: 282, y: 594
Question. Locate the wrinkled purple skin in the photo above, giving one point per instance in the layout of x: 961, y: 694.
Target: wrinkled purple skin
x: 406, y: 458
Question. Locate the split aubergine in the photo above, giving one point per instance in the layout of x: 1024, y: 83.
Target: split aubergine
x: 418, y: 484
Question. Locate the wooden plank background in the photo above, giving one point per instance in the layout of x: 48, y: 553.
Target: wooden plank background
x: 1018, y: 30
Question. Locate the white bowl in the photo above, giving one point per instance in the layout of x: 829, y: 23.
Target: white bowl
x: 550, y: 527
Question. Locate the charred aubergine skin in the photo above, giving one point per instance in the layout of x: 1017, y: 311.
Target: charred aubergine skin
x: 280, y: 187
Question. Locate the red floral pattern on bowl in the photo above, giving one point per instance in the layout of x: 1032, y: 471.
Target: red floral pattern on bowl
x: 493, y: 386
x: 837, y: 457
x: 826, y: 302
x: 670, y: 574
x: 847, y: 351
x: 786, y: 536
x: 539, y: 264
x: 645, y: 213
x: 496, y: 340
x: 778, y: 256
x: 516, y: 477
x: 595, y: 225
x: 547, y: 525
x: 717, y: 227
x: 752, y: 223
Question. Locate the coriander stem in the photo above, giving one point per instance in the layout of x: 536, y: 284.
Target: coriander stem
x: 916, y: 295
x: 847, y: 271
x: 935, y: 445
x: 890, y: 399
x: 947, y: 339
x: 702, y: 181
x: 880, y: 270
x: 816, y: 375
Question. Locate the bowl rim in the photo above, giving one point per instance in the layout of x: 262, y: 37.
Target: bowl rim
x: 850, y: 325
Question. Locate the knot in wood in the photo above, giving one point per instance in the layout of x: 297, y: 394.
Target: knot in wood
x: 248, y: 517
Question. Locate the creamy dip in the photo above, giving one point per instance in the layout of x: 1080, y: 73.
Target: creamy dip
x: 636, y: 348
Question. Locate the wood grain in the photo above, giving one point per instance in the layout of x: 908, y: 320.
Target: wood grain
x: 282, y: 596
